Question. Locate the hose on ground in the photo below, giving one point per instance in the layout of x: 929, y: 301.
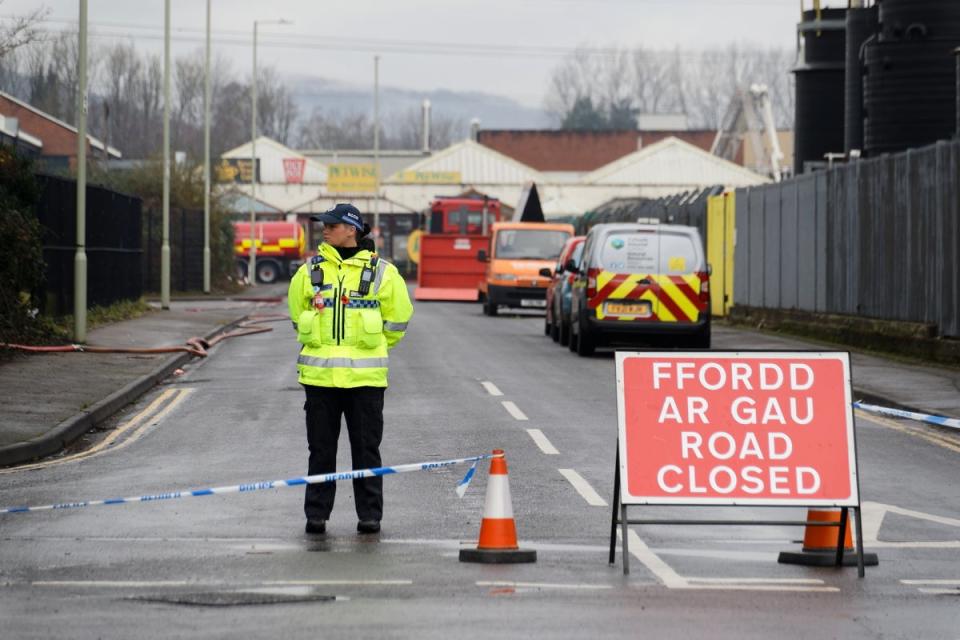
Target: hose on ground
x: 195, y: 346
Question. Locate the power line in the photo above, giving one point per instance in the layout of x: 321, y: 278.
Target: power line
x: 337, y: 43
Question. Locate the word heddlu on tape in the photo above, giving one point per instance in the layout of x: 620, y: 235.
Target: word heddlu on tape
x: 736, y: 428
x: 272, y: 484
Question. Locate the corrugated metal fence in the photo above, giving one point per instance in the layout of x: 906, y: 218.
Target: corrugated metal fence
x: 878, y: 238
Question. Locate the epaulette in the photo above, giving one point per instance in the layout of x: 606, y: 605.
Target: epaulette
x: 317, y: 259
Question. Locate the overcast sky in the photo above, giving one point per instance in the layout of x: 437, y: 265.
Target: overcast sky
x: 422, y: 42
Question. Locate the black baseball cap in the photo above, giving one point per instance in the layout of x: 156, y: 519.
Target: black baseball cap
x: 342, y: 213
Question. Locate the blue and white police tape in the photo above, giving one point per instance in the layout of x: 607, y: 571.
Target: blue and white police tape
x: 273, y: 484
x: 942, y: 421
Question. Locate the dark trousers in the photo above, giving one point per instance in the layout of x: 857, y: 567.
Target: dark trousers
x: 363, y: 408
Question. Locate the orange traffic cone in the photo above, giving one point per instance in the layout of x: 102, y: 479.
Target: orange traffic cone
x: 498, y: 532
x: 820, y: 543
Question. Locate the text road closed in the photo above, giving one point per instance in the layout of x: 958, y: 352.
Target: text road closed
x: 736, y: 428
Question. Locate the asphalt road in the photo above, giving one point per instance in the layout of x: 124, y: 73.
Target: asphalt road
x: 152, y: 570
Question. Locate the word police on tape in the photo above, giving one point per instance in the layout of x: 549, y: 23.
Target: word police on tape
x: 730, y: 428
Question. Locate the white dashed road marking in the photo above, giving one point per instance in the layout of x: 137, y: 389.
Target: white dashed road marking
x: 491, y: 388
x: 583, y: 488
x: 542, y: 585
x: 514, y: 410
x: 542, y: 442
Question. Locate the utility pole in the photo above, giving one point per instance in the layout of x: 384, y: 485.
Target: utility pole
x: 206, y: 161
x: 80, y: 257
x: 252, y: 266
x: 165, y: 248
x: 376, y: 149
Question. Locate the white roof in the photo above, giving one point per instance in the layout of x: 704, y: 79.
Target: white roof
x: 271, y: 155
x: 674, y: 164
x: 477, y: 164
x: 305, y: 198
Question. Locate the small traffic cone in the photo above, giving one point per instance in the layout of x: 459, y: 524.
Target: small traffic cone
x: 820, y: 543
x: 498, y: 532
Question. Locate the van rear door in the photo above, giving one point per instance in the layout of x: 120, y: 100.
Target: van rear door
x: 650, y: 274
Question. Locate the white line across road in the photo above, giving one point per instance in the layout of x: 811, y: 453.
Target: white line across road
x: 514, y: 410
x: 542, y: 442
x: 491, y: 388
x: 583, y: 488
x: 542, y: 585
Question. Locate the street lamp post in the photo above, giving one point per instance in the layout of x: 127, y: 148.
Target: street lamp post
x: 376, y: 149
x: 165, y: 246
x: 80, y: 257
x: 252, y: 265
x: 206, y: 161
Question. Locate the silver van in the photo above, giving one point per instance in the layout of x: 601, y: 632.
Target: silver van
x: 641, y: 283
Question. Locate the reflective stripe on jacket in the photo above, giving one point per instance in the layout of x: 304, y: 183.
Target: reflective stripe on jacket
x: 345, y: 343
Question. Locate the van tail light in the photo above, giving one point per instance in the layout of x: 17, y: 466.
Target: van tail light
x: 704, y: 288
x: 592, y: 282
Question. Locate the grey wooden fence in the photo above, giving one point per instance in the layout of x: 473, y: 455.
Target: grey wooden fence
x: 878, y: 238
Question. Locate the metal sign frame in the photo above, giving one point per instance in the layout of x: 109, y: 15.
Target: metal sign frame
x: 620, y: 514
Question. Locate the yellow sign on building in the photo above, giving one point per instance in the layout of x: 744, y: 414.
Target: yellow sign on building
x: 351, y: 178
x: 430, y: 177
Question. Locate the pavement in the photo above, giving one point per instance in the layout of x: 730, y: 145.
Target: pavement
x: 51, y: 399
x: 48, y: 400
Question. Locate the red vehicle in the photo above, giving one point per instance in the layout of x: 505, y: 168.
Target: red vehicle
x: 281, y: 249
x: 557, y: 322
x: 455, y: 229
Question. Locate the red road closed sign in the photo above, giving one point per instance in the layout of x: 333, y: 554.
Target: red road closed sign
x: 736, y: 428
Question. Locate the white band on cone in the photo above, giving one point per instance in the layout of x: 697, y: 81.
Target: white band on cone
x: 498, y: 503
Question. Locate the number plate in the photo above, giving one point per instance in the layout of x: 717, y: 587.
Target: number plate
x: 639, y: 309
x: 533, y: 303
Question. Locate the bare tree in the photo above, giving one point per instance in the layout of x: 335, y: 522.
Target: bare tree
x: 18, y: 31
x: 605, y: 87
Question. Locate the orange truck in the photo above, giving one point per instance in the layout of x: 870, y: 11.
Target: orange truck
x: 281, y: 249
x: 454, y: 230
x: 516, y: 253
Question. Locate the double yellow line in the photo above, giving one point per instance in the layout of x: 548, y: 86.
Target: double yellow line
x: 125, y: 435
x: 918, y: 432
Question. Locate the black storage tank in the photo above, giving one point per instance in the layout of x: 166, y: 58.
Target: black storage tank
x: 909, y: 83
x: 862, y: 25
x: 818, y: 128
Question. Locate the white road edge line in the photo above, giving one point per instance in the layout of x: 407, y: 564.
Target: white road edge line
x: 541, y: 585
x: 932, y: 582
x: 542, y: 442
x: 514, y: 410
x: 491, y: 388
x: 124, y: 584
x: 583, y: 488
x: 311, y: 583
x: 939, y: 592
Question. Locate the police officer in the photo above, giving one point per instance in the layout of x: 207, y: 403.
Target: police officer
x: 350, y: 307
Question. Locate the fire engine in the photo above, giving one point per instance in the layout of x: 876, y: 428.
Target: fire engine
x: 455, y: 230
x: 281, y: 249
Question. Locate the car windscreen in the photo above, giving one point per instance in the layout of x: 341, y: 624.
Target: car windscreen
x: 649, y: 252
x: 529, y: 244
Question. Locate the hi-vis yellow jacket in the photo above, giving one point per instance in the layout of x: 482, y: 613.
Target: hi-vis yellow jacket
x: 345, y: 343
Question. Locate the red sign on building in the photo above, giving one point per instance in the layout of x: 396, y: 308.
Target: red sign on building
x: 293, y: 169
x: 728, y: 428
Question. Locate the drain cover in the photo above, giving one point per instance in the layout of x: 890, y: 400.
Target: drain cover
x: 234, y: 598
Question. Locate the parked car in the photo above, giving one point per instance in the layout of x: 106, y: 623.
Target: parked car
x: 641, y: 283
x: 557, y: 322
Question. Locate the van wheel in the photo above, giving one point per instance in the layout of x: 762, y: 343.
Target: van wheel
x: 586, y: 343
x: 555, y: 332
x: 572, y: 341
x: 547, y: 326
x: 489, y: 308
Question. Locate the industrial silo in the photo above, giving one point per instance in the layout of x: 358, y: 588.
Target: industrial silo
x: 819, y: 77
x: 862, y: 26
x: 909, y: 82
